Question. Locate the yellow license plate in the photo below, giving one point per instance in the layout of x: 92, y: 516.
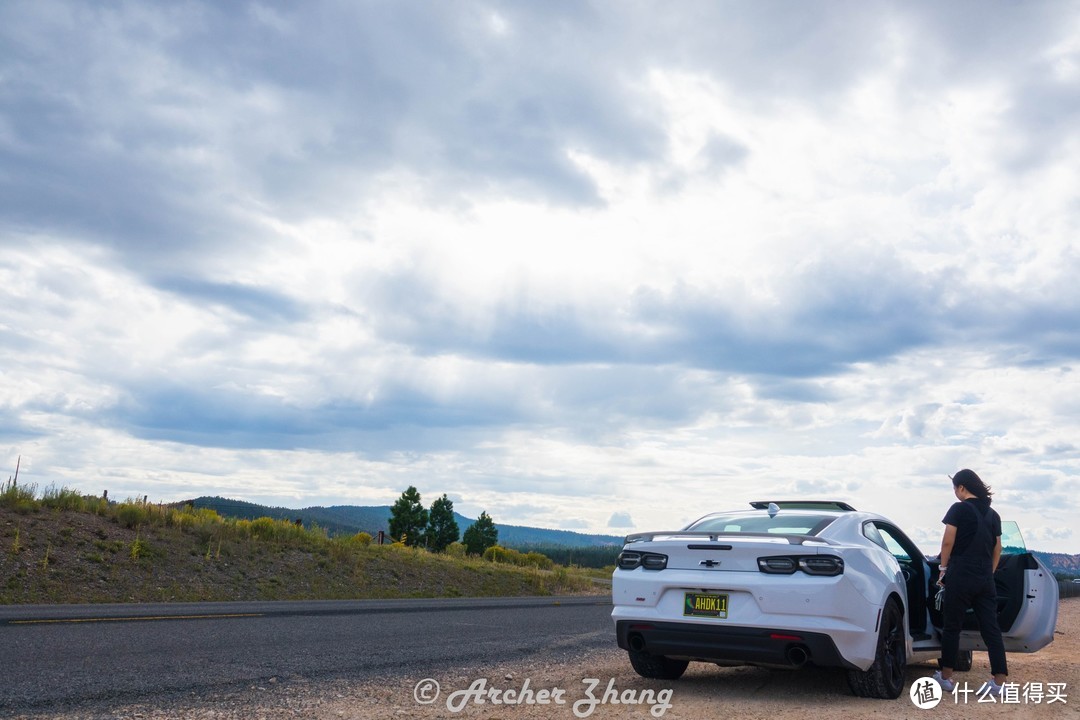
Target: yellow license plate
x: 706, y: 605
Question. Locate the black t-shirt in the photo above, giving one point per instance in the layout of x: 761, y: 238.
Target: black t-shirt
x: 970, y: 542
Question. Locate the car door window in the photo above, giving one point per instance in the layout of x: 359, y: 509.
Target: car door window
x: 895, y: 542
x: 894, y: 547
x: 1012, y: 542
x: 874, y: 536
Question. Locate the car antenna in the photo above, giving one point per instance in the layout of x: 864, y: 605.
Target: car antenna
x: 773, y: 509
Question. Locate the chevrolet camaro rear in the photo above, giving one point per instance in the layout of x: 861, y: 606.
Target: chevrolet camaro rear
x: 768, y: 586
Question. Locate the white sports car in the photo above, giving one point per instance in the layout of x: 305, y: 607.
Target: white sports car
x: 789, y: 583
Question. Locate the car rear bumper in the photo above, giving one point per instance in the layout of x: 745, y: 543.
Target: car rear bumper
x: 773, y: 647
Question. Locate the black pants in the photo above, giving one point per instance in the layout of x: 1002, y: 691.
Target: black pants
x: 971, y: 585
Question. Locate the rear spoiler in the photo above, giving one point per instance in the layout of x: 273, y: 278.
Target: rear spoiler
x: 714, y: 536
x: 802, y: 505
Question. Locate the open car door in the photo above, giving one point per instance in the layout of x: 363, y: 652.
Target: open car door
x: 1027, y: 599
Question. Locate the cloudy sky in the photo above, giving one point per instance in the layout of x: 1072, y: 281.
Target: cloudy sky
x: 598, y: 266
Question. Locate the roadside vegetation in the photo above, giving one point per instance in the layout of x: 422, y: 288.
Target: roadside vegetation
x: 60, y: 546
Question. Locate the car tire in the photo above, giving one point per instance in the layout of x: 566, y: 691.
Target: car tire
x: 885, y: 678
x: 963, y: 661
x: 657, y: 667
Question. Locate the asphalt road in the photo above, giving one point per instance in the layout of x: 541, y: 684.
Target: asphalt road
x: 62, y: 657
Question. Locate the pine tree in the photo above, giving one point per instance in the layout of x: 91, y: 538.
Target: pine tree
x: 481, y: 535
x: 408, y: 518
x: 442, y: 528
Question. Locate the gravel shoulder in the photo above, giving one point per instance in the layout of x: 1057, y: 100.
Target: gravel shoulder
x: 705, y: 691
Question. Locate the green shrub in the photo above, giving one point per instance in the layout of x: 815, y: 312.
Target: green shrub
x: 62, y: 499
x: 264, y: 528
x: 509, y: 556
x: 140, y: 548
x: 208, y: 525
x: 539, y: 560
x: 132, y: 514
x: 499, y: 554
x: 494, y: 554
x: 16, y: 545
x: 183, y: 518
x: 96, y: 505
x: 20, y: 498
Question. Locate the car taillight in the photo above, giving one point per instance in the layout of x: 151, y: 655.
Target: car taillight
x: 827, y: 565
x: 821, y: 565
x: 629, y: 560
x: 777, y: 565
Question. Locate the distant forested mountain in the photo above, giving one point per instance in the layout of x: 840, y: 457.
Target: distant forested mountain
x: 351, y: 519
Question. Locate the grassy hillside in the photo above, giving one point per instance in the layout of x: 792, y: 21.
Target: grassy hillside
x: 64, y: 548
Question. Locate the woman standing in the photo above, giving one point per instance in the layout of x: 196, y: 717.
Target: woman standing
x: 970, y: 550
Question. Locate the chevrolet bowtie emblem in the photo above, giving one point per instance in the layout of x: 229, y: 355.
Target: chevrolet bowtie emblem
x: 709, y: 563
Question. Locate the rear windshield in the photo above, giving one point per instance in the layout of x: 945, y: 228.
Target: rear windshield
x: 760, y: 522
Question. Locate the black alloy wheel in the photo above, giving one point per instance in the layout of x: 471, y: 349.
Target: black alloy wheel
x: 885, y: 678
